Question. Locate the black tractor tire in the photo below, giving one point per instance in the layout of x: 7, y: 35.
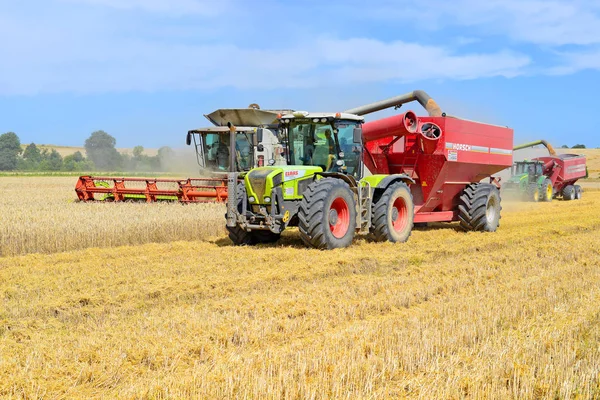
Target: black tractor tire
x: 533, y: 192
x: 547, y: 191
x: 578, y: 191
x: 479, y: 208
x: 327, y: 214
x: 241, y: 237
x: 568, y: 192
x: 393, y: 214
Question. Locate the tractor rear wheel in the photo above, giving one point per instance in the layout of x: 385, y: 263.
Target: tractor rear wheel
x: 533, y: 192
x: 568, y: 192
x: 241, y: 237
x: 479, y: 208
x: 547, y: 190
x: 327, y: 214
x: 393, y: 214
x: 578, y: 192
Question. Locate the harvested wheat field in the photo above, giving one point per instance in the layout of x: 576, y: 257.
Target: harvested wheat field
x: 511, y: 314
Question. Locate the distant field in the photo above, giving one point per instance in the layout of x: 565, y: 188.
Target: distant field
x: 511, y: 314
x: 68, y: 150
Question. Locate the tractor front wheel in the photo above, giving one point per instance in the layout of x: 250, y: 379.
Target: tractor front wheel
x: 533, y: 192
x: 479, y: 208
x: 393, y: 214
x: 547, y: 190
x: 327, y: 214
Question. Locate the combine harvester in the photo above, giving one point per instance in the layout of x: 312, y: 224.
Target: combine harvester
x: 345, y: 176
x: 546, y: 178
x: 213, y: 147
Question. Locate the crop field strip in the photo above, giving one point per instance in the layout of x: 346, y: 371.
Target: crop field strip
x: 445, y: 315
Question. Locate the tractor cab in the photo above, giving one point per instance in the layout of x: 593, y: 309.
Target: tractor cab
x: 326, y: 140
x: 213, y: 147
x: 530, y: 170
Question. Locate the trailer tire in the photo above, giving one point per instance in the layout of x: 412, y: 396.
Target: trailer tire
x: 479, y: 208
x: 327, y: 214
x: 578, y: 192
x: 547, y: 192
x: 393, y: 214
x: 568, y: 192
x: 533, y: 192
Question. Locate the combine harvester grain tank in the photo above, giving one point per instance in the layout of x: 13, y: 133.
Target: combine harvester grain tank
x: 548, y: 177
x: 213, y: 147
x: 345, y: 176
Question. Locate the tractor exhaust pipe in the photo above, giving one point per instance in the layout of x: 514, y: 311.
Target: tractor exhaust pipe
x: 231, y: 180
x: 551, y: 150
x: 419, y: 95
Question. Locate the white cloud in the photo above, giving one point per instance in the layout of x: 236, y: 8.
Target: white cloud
x: 98, y: 65
x: 572, y: 62
x: 545, y: 22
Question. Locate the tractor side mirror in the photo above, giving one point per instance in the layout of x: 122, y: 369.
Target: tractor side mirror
x: 357, y: 135
x: 259, y: 135
x: 188, y: 139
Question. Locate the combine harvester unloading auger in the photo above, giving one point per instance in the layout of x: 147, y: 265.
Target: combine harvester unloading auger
x: 255, y: 144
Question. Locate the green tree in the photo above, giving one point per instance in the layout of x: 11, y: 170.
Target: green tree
x: 10, y: 148
x: 137, y: 152
x: 76, y: 162
x: 100, y: 149
x: 579, y: 146
x: 32, y: 153
x: 564, y: 146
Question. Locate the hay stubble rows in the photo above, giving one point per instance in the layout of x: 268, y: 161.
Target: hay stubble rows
x: 446, y: 315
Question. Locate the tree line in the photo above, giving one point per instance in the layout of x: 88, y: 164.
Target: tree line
x: 100, y: 155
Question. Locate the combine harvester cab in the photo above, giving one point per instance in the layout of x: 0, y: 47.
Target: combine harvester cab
x: 256, y: 143
x: 546, y: 178
x: 345, y: 176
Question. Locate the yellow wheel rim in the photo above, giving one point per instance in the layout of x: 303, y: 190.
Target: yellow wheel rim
x: 549, y: 192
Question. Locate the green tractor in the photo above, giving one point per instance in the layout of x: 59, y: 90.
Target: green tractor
x: 528, y: 182
x: 323, y: 190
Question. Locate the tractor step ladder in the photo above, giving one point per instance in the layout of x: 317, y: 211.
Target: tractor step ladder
x: 364, y: 202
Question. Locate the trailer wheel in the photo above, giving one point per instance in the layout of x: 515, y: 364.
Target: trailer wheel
x: 479, y: 208
x: 568, y: 192
x: 547, y: 190
x: 533, y: 192
x: 241, y: 237
x: 578, y: 192
x: 327, y: 214
x: 393, y: 214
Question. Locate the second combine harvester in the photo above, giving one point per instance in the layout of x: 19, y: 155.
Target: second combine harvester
x: 345, y: 176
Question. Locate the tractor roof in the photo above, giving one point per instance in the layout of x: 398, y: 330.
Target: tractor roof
x: 223, y: 129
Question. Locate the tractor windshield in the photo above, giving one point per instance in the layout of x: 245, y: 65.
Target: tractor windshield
x: 327, y: 145
x: 216, y: 150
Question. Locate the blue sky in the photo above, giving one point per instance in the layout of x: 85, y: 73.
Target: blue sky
x: 146, y: 71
